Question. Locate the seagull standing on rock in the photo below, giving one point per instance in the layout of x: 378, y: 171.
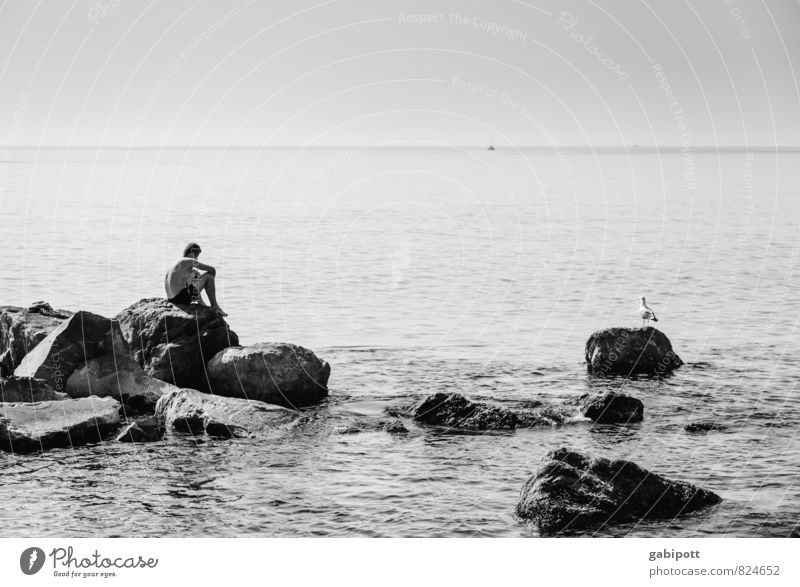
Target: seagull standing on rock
x: 646, y: 313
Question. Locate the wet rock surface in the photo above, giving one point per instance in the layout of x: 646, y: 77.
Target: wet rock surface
x: 611, y: 408
x: 389, y: 426
x: 147, y: 429
x: 455, y: 411
x: 572, y: 493
x: 630, y: 351
x: 704, y: 427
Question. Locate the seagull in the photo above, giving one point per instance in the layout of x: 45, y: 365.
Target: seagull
x: 646, y: 313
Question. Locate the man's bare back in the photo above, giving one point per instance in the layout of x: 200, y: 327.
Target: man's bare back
x: 184, y: 283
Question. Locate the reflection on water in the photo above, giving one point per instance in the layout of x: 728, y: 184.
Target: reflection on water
x: 489, y: 292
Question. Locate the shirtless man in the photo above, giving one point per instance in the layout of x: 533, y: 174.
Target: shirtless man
x: 184, y: 283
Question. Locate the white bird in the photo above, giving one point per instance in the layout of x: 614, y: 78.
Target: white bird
x: 646, y: 313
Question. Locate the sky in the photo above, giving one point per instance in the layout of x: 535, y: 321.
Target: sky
x: 367, y: 72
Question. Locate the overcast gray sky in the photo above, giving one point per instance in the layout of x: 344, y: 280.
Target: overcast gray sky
x: 534, y: 72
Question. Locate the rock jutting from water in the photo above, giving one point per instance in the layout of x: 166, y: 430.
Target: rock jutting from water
x: 571, y: 493
x: 21, y: 329
x: 174, y: 342
x: 191, y: 411
x: 611, y: 408
x: 455, y: 411
x: 31, y: 427
x: 81, y: 337
x: 630, y: 351
x: 272, y: 372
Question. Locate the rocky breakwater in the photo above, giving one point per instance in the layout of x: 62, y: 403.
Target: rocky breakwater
x: 173, y: 342
x: 21, y: 329
x: 572, y: 493
x: 272, y: 372
x: 630, y: 351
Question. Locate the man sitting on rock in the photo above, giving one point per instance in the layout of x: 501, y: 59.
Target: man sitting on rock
x: 184, y: 283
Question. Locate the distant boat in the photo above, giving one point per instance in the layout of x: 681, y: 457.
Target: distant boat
x: 491, y: 147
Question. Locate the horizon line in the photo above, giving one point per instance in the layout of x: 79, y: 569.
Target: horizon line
x: 252, y: 147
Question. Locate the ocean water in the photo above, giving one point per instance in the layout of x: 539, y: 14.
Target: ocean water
x: 414, y: 271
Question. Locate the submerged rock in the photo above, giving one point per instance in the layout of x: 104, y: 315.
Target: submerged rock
x: 31, y: 427
x: 630, y: 351
x: 394, y: 427
x: 26, y: 389
x: 390, y: 427
x: 174, y: 342
x: 22, y: 329
x: 456, y: 411
x: 704, y: 427
x: 545, y: 415
x: 187, y: 410
x: 611, y: 408
x: 80, y: 338
x: 571, y: 492
x: 119, y: 377
x: 272, y: 372
x: 147, y: 429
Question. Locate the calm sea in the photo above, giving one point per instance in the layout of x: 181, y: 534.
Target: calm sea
x: 414, y: 271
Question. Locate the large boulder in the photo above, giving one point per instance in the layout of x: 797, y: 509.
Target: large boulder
x: 188, y: 410
x: 22, y: 329
x: 120, y: 377
x: 630, y: 351
x: 31, y: 427
x: 571, y: 493
x: 174, y: 342
x: 272, y: 372
x: 25, y: 389
x: 78, y: 339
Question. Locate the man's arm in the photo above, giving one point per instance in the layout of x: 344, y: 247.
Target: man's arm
x: 203, y: 267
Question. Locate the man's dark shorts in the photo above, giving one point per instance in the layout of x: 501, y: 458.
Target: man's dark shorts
x: 186, y: 296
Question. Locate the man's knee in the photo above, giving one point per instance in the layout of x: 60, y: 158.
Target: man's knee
x: 203, y: 280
